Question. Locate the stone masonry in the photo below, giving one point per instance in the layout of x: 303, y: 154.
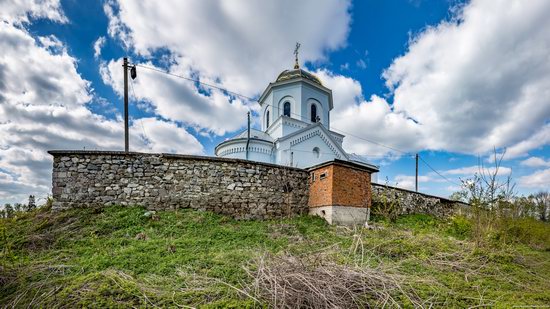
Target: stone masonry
x: 238, y: 188
x: 411, y: 202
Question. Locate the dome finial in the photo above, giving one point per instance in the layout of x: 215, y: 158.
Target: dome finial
x: 296, y: 64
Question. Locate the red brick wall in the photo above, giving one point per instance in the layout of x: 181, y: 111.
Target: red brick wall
x: 351, y: 187
x: 343, y: 186
x: 320, y: 190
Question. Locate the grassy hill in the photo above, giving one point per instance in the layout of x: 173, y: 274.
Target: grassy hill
x: 118, y: 256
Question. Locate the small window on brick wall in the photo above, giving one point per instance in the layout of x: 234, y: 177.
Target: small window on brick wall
x: 312, y: 177
x: 323, y: 175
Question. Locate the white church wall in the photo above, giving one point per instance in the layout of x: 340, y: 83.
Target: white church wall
x: 303, y: 155
x: 257, y: 151
x: 276, y: 129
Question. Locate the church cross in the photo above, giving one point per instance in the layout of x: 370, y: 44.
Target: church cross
x: 296, y: 50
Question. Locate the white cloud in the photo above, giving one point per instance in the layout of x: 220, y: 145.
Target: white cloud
x: 371, y: 119
x: 179, y: 99
x: 98, y: 45
x: 481, y: 80
x: 408, y: 182
x: 19, y: 11
x: 242, y: 44
x: 43, y: 106
x: 535, y: 162
x: 540, y: 138
x: 239, y: 45
x: 471, y: 170
x: 537, y: 180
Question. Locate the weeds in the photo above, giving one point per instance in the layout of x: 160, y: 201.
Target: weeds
x: 90, y: 258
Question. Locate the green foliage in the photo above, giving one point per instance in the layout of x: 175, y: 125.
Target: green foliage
x: 527, y: 231
x: 117, y: 257
x: 459, y: 227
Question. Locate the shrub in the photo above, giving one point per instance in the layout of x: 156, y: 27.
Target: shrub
x: 528, y: 231
x: 460, y: 227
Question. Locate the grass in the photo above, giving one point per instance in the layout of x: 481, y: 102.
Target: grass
x: 116, y: 256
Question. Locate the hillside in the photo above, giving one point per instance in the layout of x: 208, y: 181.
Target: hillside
x: 122, y: 257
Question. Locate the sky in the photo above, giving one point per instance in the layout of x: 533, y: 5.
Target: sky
x: 453, y: 81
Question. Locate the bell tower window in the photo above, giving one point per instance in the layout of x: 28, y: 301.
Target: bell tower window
x: 267, y: 120
x: 286, y: 109
x: 313, y: 113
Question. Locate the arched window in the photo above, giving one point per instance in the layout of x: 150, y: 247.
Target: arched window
x: 267, y: 119
x: 313, y: 113
x: 316, y: 152
x: 286, y: 109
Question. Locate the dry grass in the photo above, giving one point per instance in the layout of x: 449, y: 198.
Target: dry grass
x: 315, y: 281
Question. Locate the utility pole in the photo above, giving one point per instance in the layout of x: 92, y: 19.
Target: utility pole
x: 126, y: 139
x: 416, y: 175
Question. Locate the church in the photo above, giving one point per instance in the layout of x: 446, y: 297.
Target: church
x: 295, y: 125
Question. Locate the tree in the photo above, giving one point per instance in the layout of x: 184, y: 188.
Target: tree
x: 9, y: 210
x: 486, y: 189
x: 542, y: 204
x: 32, y: 203
x: 491, y: 197
x: 2, y: 213
x: 18, y: 207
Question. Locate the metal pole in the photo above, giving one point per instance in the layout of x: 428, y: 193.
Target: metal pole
x: 416, y: 175
x: 126, y: 139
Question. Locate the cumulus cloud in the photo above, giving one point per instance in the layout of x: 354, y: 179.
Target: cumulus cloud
x: 19, y: 11
x: 408, y: 181
x: 180, y: 100
x: 471, y: 170
x: 481, y: 80
x: 371, y: 119
x: 239, y: 45
x: 43, y: 105
x: 536, y: 162
x: 537, y: 180
x: 243, y: 44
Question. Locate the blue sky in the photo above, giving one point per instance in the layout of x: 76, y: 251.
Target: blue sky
x: 450, y: 80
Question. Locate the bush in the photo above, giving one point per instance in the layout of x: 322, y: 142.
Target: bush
x: 460, y: 227
x: 417, y: 221
x: 528, y: 231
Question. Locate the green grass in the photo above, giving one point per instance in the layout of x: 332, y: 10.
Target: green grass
x: 91, y: 257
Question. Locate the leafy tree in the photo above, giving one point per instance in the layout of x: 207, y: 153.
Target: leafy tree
x: 2, y: 213
x: 18, y: 207
x: 32, y: 203
x: 542, y: 204
x: 9, y: 210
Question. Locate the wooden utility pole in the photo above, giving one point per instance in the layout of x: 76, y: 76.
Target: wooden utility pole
x: 126, y: 139
x: 416, y: 175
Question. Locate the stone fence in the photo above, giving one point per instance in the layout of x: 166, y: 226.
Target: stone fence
x: 238, y: 188
x: 412, y: 202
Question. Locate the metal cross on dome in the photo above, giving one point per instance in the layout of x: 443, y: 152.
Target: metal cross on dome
x: 296, y: 50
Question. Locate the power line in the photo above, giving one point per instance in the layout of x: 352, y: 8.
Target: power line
x: 196, y: 81
x: 277, y: 107
x: 438, y: 173
x: 236, y: 94
x: 140, y: 119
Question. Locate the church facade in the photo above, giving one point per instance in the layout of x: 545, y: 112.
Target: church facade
x: 295, y: 126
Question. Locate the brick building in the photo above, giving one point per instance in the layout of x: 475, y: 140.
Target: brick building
x: 340, y: 191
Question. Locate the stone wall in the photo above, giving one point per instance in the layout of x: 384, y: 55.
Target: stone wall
x: 412, y: 202
x: 238, y: 188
